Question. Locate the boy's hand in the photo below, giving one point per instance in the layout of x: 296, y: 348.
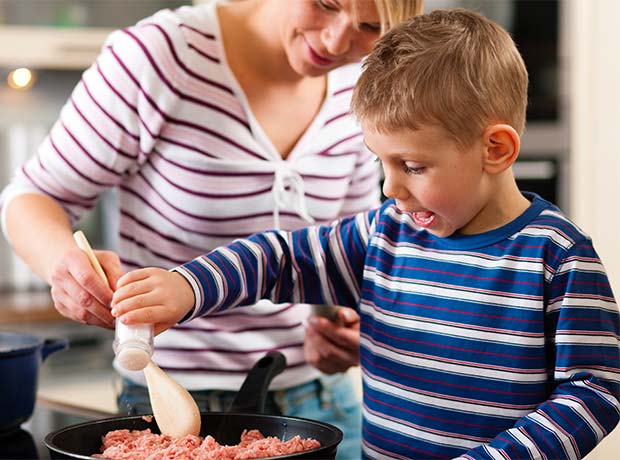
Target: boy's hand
x: 152, y: 296
x: 332, y: 347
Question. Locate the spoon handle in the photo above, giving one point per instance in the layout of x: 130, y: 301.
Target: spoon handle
x: 83, y: 244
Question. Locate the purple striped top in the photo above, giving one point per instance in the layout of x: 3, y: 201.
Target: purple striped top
x: 161, y: 117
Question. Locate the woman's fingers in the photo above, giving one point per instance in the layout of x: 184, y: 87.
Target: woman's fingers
x: 329, y: 347
x: 79, y: 306
x: 111, y: 265
x: 344, y: 336
x: 80, y: 270
x: 78, y: 292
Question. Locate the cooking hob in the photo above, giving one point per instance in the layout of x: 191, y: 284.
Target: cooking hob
x: 26, y: 442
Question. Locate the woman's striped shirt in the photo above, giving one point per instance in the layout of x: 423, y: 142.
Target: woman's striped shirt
x: 501, y: 345
x: 161, y: 117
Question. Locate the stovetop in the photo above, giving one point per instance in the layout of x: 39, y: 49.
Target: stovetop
x: 26, y: 442
x: 81, y: 371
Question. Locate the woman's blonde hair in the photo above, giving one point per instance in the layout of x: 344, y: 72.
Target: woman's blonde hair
x: 393, y: 12
x: 453, y: 68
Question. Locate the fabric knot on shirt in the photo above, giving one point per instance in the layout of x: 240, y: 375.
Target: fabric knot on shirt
x: 288, y: 193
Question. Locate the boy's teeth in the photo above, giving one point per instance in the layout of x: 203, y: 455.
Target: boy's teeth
x: 425, y: 215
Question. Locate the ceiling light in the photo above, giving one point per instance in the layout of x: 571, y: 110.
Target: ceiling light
x: 21, y: 78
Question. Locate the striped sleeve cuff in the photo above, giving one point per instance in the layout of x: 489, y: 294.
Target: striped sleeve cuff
x: 191, y: 279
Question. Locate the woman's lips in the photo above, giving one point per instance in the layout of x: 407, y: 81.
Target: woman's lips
x: 317, y: 59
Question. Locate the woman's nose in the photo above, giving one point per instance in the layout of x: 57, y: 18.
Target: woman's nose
x: 337, y: 36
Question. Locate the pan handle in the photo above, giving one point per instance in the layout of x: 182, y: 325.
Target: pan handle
x: 253, y: 392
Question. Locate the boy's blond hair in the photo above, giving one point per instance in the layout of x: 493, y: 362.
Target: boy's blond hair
x: 452, y: 68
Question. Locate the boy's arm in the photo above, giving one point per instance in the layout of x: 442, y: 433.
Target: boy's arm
x: 584, y: 354
x: 321, y: 265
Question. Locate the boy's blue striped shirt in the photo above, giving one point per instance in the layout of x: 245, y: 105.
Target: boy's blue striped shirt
x: 501, y: 345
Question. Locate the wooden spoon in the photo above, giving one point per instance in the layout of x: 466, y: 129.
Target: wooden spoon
x: 174, y: 409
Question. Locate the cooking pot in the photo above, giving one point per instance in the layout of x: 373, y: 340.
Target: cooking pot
x: 20, y: 356
x: 83, y: 440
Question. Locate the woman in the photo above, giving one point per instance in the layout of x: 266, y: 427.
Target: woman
x: 213, y: 122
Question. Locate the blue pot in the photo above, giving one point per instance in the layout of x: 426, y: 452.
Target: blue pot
x: 20, y: 357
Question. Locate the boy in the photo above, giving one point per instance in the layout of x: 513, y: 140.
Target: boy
x: 488, y: 325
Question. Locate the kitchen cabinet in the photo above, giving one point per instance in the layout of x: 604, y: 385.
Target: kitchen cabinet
x: 50, y: 47
x: 66, y: 34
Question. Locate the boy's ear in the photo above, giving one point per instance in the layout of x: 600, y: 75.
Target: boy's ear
x: 502, y: 144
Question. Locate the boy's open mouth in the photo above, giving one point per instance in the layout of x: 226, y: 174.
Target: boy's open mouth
x: 424, y: 218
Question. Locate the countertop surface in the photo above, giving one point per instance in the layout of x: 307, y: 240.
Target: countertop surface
x: 27, y: 307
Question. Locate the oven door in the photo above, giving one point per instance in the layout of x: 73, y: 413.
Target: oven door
x: 540, y: 176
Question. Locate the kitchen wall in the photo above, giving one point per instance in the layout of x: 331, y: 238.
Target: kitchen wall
x: 57, y: 39
x: 594, y: 43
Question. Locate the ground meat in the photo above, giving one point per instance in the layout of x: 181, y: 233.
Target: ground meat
x: 144, y: 445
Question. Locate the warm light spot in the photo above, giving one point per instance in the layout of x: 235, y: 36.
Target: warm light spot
x: 21, y: 78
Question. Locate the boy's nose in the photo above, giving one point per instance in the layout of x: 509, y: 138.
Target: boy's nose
x: 392, y: 188
x: 337, y: 36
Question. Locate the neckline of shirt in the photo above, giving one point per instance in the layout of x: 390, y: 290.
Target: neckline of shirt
x: 258, y: 133
x: 459, y: 241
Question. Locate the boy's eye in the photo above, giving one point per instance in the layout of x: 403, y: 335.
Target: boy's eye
x: 413, y: 169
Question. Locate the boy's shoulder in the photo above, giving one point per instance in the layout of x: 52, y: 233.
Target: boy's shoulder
x: 553, y: 223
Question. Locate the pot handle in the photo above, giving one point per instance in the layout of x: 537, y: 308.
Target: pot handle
x: 253, y: 392
x: 52, y: 345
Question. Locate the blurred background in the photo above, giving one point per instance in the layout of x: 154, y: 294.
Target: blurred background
x: 569, y: 153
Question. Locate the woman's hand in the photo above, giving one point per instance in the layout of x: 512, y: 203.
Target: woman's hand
x: 332, y: 347
x: 152, y: 296
x: 79, y: 293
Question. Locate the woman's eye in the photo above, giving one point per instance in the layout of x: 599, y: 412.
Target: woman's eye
x: 373, y: 28
x: 325, y: 5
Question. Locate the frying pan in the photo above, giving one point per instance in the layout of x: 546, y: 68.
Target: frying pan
x: 83, y: 440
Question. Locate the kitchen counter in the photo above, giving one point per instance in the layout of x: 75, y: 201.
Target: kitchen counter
x: 32, y: 312
x: 83, y: 393
x: 27, y: 307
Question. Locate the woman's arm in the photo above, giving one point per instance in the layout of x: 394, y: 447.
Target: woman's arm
x: 104, y: 131
x: 40, y: 232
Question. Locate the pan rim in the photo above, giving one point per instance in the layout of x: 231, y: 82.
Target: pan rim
x: 48, y: 440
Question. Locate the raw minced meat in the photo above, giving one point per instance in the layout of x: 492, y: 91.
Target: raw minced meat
x: 145, y: 445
